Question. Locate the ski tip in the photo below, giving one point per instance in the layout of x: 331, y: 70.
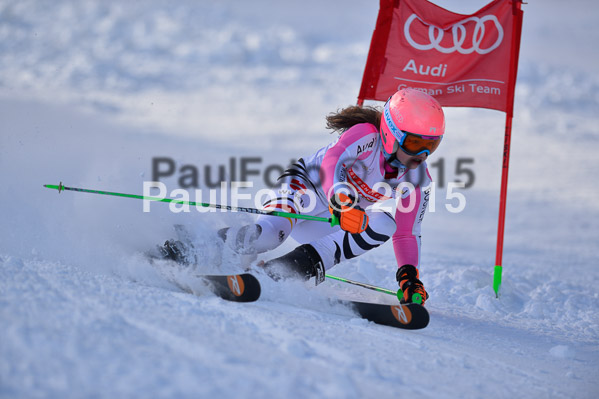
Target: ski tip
x: 236, y: 287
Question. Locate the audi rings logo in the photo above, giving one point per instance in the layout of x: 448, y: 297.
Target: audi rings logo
x: 459, y: 35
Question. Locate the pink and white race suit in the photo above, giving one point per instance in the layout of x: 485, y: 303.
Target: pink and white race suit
x: 353, y: 164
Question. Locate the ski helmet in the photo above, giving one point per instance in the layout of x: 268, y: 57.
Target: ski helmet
x: 413, y: 121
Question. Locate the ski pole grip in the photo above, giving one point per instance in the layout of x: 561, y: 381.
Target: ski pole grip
x: 334, y: 220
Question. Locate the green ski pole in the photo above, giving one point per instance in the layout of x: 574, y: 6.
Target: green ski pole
x: 333, y: 221
x: 417, y: 298
x: 363, y: 285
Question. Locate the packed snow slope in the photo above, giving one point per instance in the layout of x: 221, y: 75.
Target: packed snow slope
x: 92, y: 92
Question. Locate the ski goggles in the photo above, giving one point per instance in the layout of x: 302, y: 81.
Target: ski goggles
x: 416, y: 144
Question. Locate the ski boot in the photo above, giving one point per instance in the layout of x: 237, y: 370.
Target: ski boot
x: 411, y: 287
x: 182, y: 250
x: 302, y: 263
x: 175, y: 250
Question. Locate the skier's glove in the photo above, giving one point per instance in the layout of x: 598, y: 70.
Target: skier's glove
x: 352, y: 218
x: 411, y: 288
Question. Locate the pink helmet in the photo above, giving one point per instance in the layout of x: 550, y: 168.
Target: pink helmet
x: 413, y: 112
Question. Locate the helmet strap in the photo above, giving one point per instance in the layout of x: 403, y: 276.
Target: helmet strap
x: 391, y: 159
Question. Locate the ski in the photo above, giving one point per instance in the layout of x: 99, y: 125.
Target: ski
x: 242, y: 287
x: 409, y: 316
x: 232, y: 287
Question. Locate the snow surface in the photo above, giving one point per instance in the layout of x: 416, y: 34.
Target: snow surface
x: 91, y: 91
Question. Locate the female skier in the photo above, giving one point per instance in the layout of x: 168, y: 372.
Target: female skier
x: 377, y: 157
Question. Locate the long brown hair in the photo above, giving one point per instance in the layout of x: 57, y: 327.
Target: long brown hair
x: 352, y: 115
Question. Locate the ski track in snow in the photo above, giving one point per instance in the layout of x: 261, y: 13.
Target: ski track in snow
x: 91, y: 91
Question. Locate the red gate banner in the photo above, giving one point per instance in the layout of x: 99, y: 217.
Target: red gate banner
x: 462, y: 60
